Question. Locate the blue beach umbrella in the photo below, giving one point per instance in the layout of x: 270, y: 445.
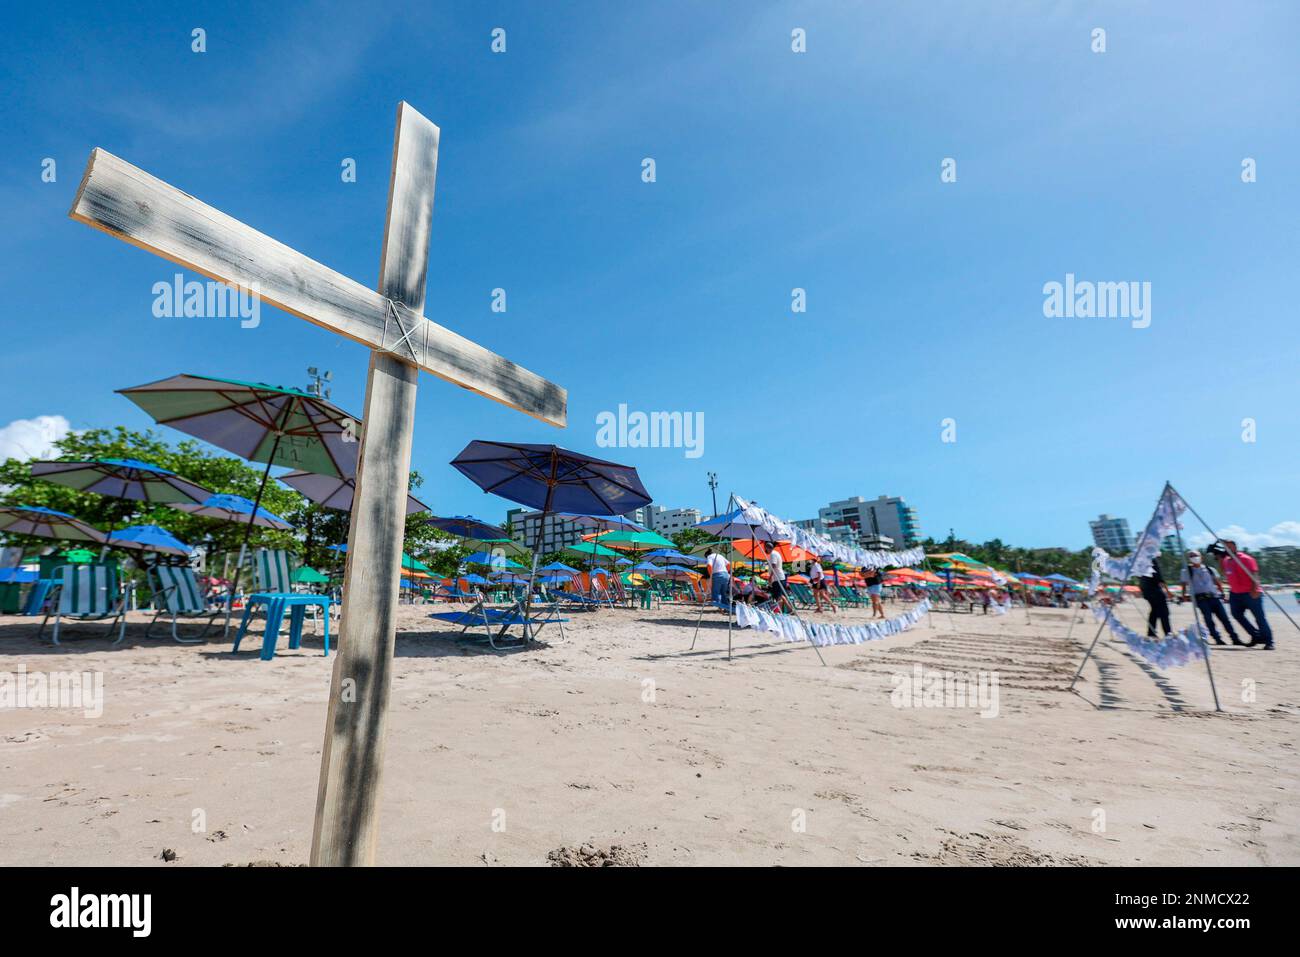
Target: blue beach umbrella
x: 234, y: 508
x: 551, y: 479
x: 673, y: 555
x: 149, y: 538
x: 467, y: 526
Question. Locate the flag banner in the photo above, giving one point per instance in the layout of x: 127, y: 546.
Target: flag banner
x: 1163, y: 523
x: 820, y: 545
x: 1172, y: 651
x: 793, y: 628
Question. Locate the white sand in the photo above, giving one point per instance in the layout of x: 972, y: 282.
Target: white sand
x: 719, y: 768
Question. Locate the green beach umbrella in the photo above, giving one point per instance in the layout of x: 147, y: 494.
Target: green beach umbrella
x: 635, y: 541
x: 589, y: 550
x: 411, y: 564
x: 309, y: 576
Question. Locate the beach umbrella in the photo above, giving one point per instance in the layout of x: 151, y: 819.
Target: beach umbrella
x: 129, y: 479
x: 235, y: 508
x: 258, y: 422
x: 47, y: 523
x: 413, y: 564
x: 509, y: 578
x: 466, y: 526
x: 122, y: 478
x: 604, y: 523
x: 551, y: 479
x: 633, y: 541
x: 738, y: 524
x: 558, y: 567
x: 149, y: 538
x: 648, y: 567
x: 671, y: 554
x: 622, y: 561
x: 788, y: 551
x: 506, y: 546
x: 309, y: 576
x: 474, y: 579
x: 591, y: 550
x: 336, y: 492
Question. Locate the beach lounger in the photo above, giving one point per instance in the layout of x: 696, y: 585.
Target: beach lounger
x: 88, y: 593
x: 481, y: 616
x: 177, y: 593
x: 801, y: 595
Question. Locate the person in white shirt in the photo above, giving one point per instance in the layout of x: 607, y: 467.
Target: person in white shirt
x: 776, y: 578
x: 817, y: 578
x: 719, y: 578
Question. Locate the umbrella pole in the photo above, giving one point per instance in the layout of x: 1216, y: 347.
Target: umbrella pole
x: 248, y: 532
x: 532, y: 574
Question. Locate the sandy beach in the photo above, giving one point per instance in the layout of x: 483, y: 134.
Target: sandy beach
x: 620, y: 737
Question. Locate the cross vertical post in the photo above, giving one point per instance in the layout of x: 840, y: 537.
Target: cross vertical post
x: 347, y: 798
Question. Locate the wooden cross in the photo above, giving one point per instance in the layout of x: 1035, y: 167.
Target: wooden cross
x: 130, y: 204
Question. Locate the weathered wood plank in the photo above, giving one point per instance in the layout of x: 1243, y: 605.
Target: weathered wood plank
x: 128, y: 203
x: 346, y: 827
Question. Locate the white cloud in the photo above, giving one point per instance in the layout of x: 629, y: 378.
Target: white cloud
x: 32, y: 438
x: 1283, y: 533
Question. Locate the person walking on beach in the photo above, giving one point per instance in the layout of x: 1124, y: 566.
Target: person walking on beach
x: 719, y: 578
x: 874, y: 579
x: 776, y: 579
x: 1206, y: 588
x: 817, y: 578
x: 1244, y: 593
x: 1156, y: 592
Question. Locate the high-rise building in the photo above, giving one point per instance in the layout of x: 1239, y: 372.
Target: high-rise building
x: 841, y: 534
x: 669, y: 521
x: 872, y: 520
x: 556, y: 533
x: 559, y: 532
x: 1111, y: 533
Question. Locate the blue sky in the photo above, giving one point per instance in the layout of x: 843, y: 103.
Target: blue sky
x: 775, y: 170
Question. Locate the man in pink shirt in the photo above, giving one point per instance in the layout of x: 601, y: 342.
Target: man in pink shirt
x: 1245, y: 595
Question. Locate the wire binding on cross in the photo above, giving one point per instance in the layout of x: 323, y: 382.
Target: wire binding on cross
x: 392, y: 315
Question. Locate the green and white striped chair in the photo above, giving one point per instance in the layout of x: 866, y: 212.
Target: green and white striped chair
x: 88, y: 593
x: 177, y: 593
x: 272, y: 571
